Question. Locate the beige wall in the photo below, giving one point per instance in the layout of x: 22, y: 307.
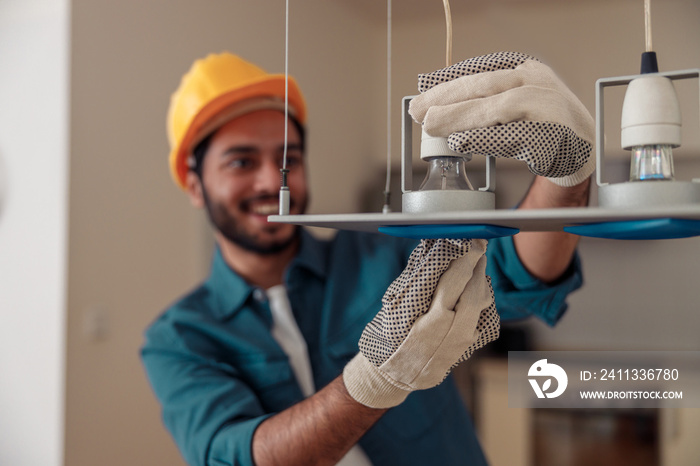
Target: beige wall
x: 581, y: 40
x: 135, y: 244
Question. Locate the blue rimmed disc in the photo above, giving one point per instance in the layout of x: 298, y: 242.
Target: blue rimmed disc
x: 448, y: 231
x: 658, y: 228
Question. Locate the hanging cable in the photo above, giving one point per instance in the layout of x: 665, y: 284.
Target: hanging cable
x: 647, y: 25
x: 649, y: 62
x: 387, y: 187
x: 448, y: 32
x: 448, y: 60
x: 284, y: 200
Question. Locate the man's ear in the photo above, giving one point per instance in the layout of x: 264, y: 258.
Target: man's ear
x: 194, y: 189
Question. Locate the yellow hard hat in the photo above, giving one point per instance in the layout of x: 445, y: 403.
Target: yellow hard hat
x: 208, y: 92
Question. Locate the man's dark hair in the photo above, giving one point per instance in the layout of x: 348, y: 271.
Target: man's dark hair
x: 201, y: 149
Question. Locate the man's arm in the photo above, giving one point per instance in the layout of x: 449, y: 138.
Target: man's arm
x: 318, y: 430
x: 547, y: 254
x: 434, y: 315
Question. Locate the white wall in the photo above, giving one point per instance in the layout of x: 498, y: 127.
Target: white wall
x: 34, y: 156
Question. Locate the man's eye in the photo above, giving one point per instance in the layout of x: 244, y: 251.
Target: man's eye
x: 240, y: 163
x: 293, y: 160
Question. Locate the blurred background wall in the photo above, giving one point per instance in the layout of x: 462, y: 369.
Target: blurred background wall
x: 96, y: 240
x: 34, y: 154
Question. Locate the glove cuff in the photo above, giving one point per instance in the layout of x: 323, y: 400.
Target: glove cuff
x: 576, y: 178
x: 366, y: 384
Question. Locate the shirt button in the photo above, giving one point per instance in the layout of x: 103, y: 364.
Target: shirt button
x: 259, y: 295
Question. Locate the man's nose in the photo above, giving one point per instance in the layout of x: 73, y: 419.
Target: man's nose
x: 268, y: 177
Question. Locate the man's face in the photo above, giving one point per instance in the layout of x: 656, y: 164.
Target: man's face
x: 241, y: 181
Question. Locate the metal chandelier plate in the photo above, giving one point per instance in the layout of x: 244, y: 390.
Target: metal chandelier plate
x: 522, y: 219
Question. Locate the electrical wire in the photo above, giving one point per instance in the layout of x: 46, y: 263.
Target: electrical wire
x: 387, y: 187
x: 448, y: 60
x: 647, y: 24
x: 448, y: 32
x: 286, y: 83
x: 284, y: 189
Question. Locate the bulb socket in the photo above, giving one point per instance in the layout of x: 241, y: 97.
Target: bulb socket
x: 436, y: 146
x: 649, y: 63
x: 651, y: 114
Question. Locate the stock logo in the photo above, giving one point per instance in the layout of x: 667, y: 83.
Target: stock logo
x: 544, y: 371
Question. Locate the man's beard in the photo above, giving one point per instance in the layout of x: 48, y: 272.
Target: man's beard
x: 226, y: 224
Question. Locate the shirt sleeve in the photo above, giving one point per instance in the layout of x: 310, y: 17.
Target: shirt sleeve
x: 210, y: 412
x: 519, y: 294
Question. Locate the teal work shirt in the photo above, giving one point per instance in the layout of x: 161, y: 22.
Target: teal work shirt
x: 218, y: 372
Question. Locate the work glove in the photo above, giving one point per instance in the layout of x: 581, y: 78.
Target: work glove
x: 508, y: 104
x: 434, y: 315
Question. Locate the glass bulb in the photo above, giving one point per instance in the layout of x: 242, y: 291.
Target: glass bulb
x: 652, y: 162
x: 446, y: 173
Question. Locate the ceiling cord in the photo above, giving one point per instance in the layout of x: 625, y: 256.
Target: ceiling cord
x: 647, y: 24
x: 387, y: 187
x: 284, y: 199
x: 448, y: 25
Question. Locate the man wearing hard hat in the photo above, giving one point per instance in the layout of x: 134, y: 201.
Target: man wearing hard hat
x: 260, y: 364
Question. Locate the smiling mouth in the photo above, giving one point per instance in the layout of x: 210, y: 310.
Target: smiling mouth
x: 265, y: 209
x: 261, y: 205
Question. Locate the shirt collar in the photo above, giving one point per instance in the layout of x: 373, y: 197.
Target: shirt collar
x: 230, y: 291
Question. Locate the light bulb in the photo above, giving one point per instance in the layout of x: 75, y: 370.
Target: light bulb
x: 446, y: 187
x: 446, y: 173
x: 652, y: 162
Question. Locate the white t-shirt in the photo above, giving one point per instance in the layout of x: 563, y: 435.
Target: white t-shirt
x: 286, y: 332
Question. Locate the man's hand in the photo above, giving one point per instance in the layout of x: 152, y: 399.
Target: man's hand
x: 434, y: 315
x: 508, y: 104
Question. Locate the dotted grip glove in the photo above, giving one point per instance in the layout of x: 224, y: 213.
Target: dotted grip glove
x: 434, y: 315
x: 508, y: 104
